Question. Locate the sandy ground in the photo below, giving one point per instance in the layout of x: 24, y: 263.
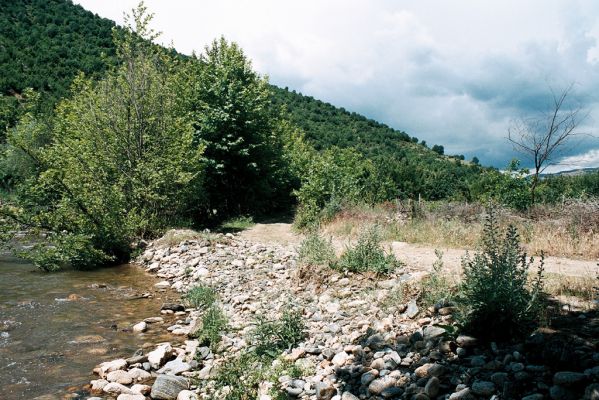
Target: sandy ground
x: 418, y: 257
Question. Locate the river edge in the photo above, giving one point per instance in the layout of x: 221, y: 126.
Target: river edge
x: 387, y: 346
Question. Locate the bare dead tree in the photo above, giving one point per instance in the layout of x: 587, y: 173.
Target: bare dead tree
x: 542, y: 138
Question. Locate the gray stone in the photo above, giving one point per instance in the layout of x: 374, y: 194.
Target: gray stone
x: 466, y: 341
x: 534, y: 396
x: 592, y: 392
x: 368, y: 377
x: 412, y: 310
x: 348, y: 396
x: 483, y: 388
x: 175, y: 367
x: 159, y: 356
x: 499, y: 378
x: 463, y: 394
x: 432, y: 332
x: 378, y: 385
x: 294, y: 391
x: 325, y: 391
x: 168, y: 387
x: 431, y: 389
x: 568, y: 378
x: 561, y: 393
x: 119, y: 376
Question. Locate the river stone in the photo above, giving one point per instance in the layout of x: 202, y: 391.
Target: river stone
x: 325, y: 391
x: 131, y: 397
x: 98, y: 385
x: 340, y: 359
x: 429, y: 369
x: 168, y: 387
x: 412, y: 310
x: 141, y: 389
x: 174, y: 367
x: 157, y: 357
x: 462, y: 395
x: 162, y: 285
x: 119, y: 376
x: 140, y: 327
x: 567, y: 378
x: 378, y: 385
x: 348, y: 396
x: 432, y: 387
x: 115, y: 389
x: 466, y: 341
x: 154, y: 320
x: 592, y: 392
x: 110, y: 366
x: 173, y: 307
x: 432, y: 332
x: 483, y: 388
x: 139, y: 374
x: 187, y: 395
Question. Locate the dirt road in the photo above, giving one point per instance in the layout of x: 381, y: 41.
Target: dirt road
x: 414, y: 256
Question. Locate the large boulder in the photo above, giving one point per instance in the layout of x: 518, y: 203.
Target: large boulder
x: 168, y: 387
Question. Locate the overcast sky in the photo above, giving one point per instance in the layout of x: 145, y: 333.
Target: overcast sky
x: 449, y: 72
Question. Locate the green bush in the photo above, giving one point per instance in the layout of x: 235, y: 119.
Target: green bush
x: 271, y: 337
x: 367, y: 255
x: 436, y: 287
x: 214, y: 323
x: 316, y: 250
x: 201, y: 297
x: 497, y: 298
x: 238, y: 378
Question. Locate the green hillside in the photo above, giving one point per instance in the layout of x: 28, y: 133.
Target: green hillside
x: 45, y: 43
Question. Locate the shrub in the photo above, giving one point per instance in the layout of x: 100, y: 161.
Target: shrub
x: 201, y: 296
x: 498, y: 300
x: 272, y: 337
x: 436, y: 287
x: 238, y: 378
x: 214, y: 323
x: 367, y: 255
x: 315, y: 250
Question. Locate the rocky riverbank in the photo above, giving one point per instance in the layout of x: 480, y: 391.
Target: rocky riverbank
x: 363, y: 340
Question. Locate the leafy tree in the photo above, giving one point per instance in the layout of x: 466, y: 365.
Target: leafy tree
x: 245, y: 171
x: 438, y: 149
x: 122, y: 163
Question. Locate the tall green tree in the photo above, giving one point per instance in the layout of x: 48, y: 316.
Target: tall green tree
x: 123, y: 163
x: 245, y: 169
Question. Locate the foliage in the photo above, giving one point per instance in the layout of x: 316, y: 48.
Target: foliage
x: 510, y: 187
x: 122, y: 163
x: 367, y: 255
x: 271, y: 337
x: 436, y: 287
x: 201, y: 297
x: 245, y: 170
x: 497, y: 297
x: 316, y: 250
x: 214, y: 323
x: 237, y: 224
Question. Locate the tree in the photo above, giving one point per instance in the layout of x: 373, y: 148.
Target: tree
x: 438, y: 149
x: 541, y: 138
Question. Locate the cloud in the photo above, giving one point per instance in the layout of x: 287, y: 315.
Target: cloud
x: 589, y: 159
x: 450, y: 73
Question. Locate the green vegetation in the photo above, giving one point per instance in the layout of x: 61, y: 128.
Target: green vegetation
x: 437, y: 290
x: 214, y: 323
x: 201, y: 297
x: 316, y: 250
x: 499, y: 300
x: 271, y: 337
x: 367, y: 255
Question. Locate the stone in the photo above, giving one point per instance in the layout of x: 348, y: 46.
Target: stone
x: 115, y: 389
x: 378, y: 385
x: 173, y: 307
x: 294, y: 391
x: 174, y: 367
x: 466, y: 341
x: 499, y: 378
x: 154, y: 320
x: 119, y: 376
x: 368, y: 377
x: 168, y: 387
x: 125, y: 396
x: 463, y: 394
x: 431, y: 389
x: 561, y: 393
x: 141, y: 389
x: 483, y: 388
x: 160, y: 355
x: 348, y: 396
x: 187, y: 395
x: 98, y: 385
x: 110, y: 366
x: 592, y: 392
x: 340, y: 359
x: 568, y: 378
x: 429, y: 369
x: 162, y: 285
x: 432, y: 332
x: 325, y: 391
x: 139, y: 374
x: 534, y: 396
x: 140, y: 327
x: 412, y: 309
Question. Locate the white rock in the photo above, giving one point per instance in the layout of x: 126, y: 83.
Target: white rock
x: 340, y: 359
x: 141, y: 389
x: 115, y: 389
x: 110, y: 366
x: 131, y: 397
x: 119, y: 376
x: 140, y: 327
x: 98, y: 384
x: 139, y: 374
x: 163, y: 285
x: 159, y: 356
x: 187, y: 395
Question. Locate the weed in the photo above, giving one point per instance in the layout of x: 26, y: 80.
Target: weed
x: 237, y: 224
x: 315, y: 250
x: 238, y: 378
x: 367, y: 255
x: 214, y: 323
x: 201, y: 297
x: 271, y: 337
x: 498, y: 299
x: 436, y: 287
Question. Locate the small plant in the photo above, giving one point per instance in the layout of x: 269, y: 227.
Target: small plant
x: 498, y: 299
x: 272, y: 337
x: 214, y: 323
x: 237, y: 224
x: 201, y: 297
x: 315, y: 250
x: 367, y: 255
x: 436, y: 288
x: 238, y: 378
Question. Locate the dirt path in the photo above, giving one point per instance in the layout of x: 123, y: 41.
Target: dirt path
x: 415, y: 256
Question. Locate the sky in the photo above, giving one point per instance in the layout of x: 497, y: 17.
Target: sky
x: 457, y: 73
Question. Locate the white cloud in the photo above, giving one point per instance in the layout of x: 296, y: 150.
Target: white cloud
x: 452, y: 73
x: 589, y: 159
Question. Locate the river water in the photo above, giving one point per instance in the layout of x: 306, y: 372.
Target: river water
x: 54, y: 328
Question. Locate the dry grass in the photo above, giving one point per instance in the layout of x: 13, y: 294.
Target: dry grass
x: 580, y: 287
x: 565, y: 230
x: 175, y: 236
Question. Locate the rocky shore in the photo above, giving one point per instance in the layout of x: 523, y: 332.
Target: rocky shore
x: 363, y: 340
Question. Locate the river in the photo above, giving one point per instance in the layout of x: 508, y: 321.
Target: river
x: 55, y: 327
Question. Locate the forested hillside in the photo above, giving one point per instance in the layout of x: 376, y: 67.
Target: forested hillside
x: 46, y: 43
